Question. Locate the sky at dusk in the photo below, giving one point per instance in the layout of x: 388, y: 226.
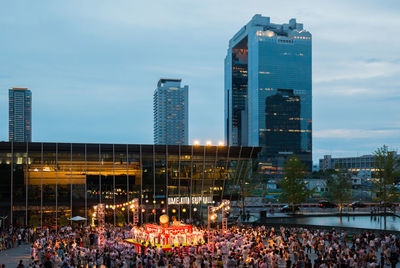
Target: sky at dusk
x: 93, y: 66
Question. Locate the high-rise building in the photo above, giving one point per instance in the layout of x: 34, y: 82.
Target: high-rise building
x: 20, y: 114
x: 268, y: 91
x: 170, y: 105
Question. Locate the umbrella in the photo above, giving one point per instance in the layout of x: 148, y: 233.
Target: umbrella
x: 78, y: 218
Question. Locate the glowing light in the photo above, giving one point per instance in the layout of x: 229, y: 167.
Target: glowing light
x: 154, y: 201
x: 122, y: 209
x: 174, y: 211
x: 143, y: 210
x: 162, y: 202
x: 196, y: 142
x: 208, y: 143
x: 163, y: 211
x: 154, y: 211
x: 184, y: 210
x: 164, y: 219
x: 221, y: 143
x: 195, y: 209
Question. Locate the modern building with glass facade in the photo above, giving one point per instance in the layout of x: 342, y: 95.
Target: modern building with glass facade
x: 352, y: 163
x: 171, y: 112
x: 268, y: 91
x: 48, y: 181
x: 20, y: 114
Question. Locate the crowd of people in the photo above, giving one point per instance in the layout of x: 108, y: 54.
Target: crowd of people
x: 14, y: 237
x: 260, y: 247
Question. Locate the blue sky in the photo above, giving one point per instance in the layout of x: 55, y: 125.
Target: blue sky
x: 93, y: 65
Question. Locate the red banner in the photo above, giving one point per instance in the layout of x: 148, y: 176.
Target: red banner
x: 174, y: 230
x: 151, y: 228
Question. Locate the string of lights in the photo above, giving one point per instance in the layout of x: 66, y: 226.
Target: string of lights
x: 133, y: 204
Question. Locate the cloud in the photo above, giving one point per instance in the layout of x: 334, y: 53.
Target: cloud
x: 356, y: 70
x: 344, y: 91
x: 355, y: 133
x: 93, y: 65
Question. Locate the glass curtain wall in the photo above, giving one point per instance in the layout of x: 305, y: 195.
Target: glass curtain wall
x: 45, y: 184
x: 6, y: 185
x: 78, y: 180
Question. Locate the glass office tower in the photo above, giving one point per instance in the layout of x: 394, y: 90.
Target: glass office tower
x: 171, y: 112
x: 44, y: 182
x: 20, y: 114
x: 268, y: 91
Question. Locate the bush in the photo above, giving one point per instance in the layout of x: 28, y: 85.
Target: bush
x: 64, y: 220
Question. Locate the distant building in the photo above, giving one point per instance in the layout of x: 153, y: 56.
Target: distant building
x: 268, y: 91
x: 318, y: 185
x: 171, y: 108
x: 363, y: 165
x: 20, y: 114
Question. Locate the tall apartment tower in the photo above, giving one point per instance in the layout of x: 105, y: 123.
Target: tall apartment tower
x: 170, y: 106
x: 20, y: 114
x: 268, y: 91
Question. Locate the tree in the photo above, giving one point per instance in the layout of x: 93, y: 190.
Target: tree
x: 386, y: 171
x: 64, y: 220
x: 34, y: 221
x: 339, y: 188
x: 120, y: 219
x: 263, y: 182
x: 247, y: 183
x: 243, y: 179
x: 294, y: 188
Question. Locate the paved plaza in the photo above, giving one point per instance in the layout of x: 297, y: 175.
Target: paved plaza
x: 12, y: 256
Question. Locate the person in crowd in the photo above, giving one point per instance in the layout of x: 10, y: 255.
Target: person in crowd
x: 239, y: 246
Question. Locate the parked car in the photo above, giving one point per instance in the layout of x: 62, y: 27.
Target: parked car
x: 326, y: 204
x: 289, y: 208
x: 357, y: 204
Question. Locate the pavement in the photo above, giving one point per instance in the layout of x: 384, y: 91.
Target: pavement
x: 11, y: 257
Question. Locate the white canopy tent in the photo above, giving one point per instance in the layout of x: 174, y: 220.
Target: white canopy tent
x: 78, y: 218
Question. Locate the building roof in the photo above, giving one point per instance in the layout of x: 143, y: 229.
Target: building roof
x: 164, y: 80
x: 19, y: 88
x: 36, y: 147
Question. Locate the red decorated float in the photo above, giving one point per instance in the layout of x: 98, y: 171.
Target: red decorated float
x: 166, y: 236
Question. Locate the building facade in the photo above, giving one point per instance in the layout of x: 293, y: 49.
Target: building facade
x: 268, y: 91
x: 361, y: 164
x: 20, y: 114
x: 171, y: 112
x: 48, y: 181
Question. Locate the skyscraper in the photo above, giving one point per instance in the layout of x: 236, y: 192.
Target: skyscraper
x: 170, y: 106
x: 20, y: 114
x: 268, y: 91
